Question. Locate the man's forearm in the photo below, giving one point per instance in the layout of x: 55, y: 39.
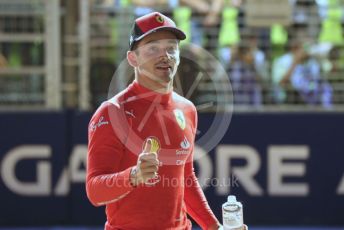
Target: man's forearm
x: 108, y: 188
x: 196, y: 203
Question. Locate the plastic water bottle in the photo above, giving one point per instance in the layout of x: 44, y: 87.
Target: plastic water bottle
x: 232, y: 214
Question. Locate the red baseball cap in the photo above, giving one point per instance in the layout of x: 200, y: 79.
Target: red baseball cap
x: 150, y: 23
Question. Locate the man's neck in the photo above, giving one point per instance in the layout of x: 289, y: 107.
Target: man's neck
x: 159, y: 87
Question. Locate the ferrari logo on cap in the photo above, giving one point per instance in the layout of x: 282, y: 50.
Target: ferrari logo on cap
x: 159, y: 19
x: 180, y: 118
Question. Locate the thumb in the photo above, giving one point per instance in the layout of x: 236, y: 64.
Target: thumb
x: 147, y: 147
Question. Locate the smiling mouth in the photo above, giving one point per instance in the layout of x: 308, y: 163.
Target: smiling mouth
x: 164, y: 67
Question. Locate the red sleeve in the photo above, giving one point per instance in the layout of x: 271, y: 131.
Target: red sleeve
x: 196, y: 203
x: 105, y: 183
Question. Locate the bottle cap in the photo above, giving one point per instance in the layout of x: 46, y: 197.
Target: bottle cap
x: 231, y: 199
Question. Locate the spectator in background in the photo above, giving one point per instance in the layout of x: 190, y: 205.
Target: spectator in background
x: 241, y: 67
x: 335, y: 61
x: 247, y: 68
x: 259, y: 58
x: 3, y: 61
x: 197, y: 18
x: 143, y: 7
x: 205, y: 17
x: 302, y: 73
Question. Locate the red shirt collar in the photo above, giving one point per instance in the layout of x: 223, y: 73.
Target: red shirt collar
x: 150, y: 95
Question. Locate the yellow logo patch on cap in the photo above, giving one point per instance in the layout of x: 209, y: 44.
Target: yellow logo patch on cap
x: 159, y: 19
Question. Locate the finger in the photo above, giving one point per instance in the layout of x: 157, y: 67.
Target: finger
x: 149, y: 174
x: 149, y: 169
x: 147, y: 164
x: 148, y: 157
x: 147, y: 147
x: 153, y: 160
x: 150, y: 161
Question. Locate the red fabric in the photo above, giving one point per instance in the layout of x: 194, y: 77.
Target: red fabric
x: 196, y: 204
x: 117, y: 132
x: 152, y: 21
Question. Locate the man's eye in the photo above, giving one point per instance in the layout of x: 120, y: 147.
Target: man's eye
x: 171, y: 50
x: 153, y: 49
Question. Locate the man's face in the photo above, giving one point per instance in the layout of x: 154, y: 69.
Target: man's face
x: 157, y: 57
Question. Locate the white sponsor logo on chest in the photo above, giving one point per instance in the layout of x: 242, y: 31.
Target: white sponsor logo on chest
x: 185, y: 145
x: 100, y: 122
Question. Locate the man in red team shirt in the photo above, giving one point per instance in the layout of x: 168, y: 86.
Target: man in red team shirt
x: 141, y: 141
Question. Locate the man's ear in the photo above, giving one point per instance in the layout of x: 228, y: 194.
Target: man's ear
x: 132, y: 58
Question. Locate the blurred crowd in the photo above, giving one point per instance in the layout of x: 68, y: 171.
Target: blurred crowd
x: 299, y: 63
x: 294, y: 64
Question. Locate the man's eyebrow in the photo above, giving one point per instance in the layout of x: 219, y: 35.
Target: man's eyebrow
x: 152, y: 41
x: 174, y: 41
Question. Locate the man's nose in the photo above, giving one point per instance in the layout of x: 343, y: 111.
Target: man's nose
x: 164, y: 53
